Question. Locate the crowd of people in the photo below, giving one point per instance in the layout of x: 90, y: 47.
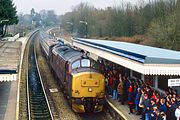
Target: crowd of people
x: 140, y: 96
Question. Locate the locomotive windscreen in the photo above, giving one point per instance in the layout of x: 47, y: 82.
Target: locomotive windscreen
x: 85, y: 63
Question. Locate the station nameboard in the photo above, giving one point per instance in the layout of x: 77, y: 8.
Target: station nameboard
x: 8, y: 77
x: 173, y: 82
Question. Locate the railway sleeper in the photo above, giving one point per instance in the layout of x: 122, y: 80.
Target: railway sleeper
x: 38, y: 107
x: 38, y: 103
x: 38, y: 94
x: 37, y: 99
x: 40, y: 115
x: 41, y: 118
x: 35, y: 109
x: 40, y: 111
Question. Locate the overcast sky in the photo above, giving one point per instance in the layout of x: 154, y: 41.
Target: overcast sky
x: 61, y: 6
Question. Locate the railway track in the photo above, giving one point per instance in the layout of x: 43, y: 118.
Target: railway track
x: 23, y: 105
x: 38, y: 106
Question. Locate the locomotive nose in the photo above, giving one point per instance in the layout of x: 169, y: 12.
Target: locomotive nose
x: 88, y: 86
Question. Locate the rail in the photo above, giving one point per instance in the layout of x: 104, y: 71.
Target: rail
x: 43, y: 85
x: 38, y: 105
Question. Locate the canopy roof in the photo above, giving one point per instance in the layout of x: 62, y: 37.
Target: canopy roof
x: 140, y: 58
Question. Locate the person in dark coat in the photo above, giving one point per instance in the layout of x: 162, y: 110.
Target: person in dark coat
x: 146, y: 109
x: 154, y: 113
x: 170, y: 112
x: 125, y: 88
x: 137, y: 100
x: 130, y: 99
x: 114, y: 87
x: 152, y: 104
x: 162, y: 106
x: 174, y: 105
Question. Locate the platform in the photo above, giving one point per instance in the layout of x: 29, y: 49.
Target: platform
x: 9, y: 90
x: 9, y: 60
x: 122, y: 110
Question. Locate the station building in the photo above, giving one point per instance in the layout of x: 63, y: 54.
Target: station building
x: 161, y: 66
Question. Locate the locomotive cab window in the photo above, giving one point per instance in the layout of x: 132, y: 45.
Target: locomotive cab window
x: 94, y: 64
x: 85, y: 63
x: 76, y: 64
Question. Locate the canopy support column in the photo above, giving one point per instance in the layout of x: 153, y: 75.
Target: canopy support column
x: 142, y: 77
x: 156, y: 81
x: 131, y: 73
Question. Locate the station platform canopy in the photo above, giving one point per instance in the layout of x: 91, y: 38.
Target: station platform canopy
x: 140, y: 58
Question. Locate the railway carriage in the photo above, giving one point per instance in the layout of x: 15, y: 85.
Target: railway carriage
x: 83, y: 84
x: 47, y: 43
x: 46, y: 46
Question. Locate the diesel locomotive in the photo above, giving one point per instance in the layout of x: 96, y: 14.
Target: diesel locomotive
x: 77, y: 74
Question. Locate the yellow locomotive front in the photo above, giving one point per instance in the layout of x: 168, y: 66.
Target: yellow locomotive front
x: 88, y: 90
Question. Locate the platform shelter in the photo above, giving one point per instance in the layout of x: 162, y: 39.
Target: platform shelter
x: 160, y: 64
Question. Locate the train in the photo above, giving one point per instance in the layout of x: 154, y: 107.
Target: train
x: 78, y: 75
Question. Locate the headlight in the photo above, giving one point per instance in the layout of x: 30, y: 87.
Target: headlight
x: 90, y: 89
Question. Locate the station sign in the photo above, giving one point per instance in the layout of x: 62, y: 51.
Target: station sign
x: 8, y: 77
x: 173, y: 82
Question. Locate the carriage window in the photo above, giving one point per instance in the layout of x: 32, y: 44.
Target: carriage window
x: 76, y: 64
x: 85, y: 63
